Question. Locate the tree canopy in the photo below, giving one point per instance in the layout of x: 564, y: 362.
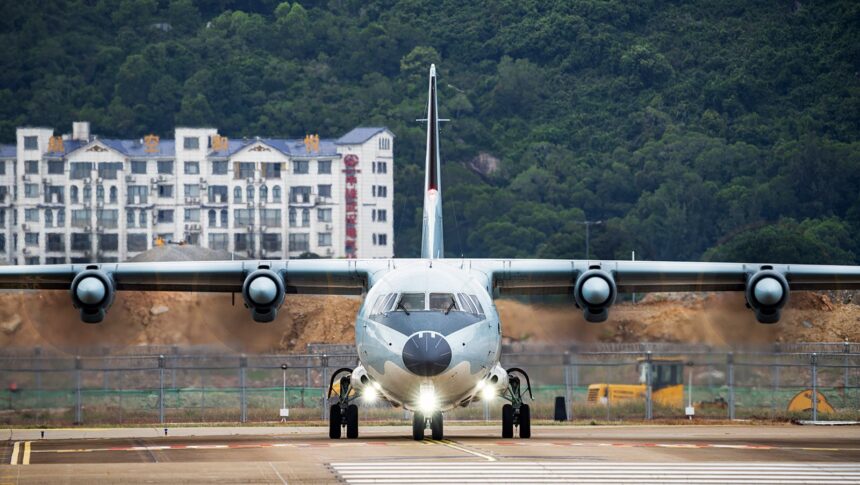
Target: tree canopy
x: 693, y: 129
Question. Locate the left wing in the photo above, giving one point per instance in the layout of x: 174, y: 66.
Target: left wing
x: 594, y: 285
x: 263, y: 284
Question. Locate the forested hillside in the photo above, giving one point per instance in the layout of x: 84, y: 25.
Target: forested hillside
x: 695, y: 129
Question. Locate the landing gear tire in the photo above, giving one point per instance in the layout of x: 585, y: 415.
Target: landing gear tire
x: 507, y: 421
x: 352, y: 421
x: 436, y: 426
x: 418, y: 424
x: 334, y: 421
x: 525, y: 421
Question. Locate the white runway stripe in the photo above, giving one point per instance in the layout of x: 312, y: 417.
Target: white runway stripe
x: 568, y: 472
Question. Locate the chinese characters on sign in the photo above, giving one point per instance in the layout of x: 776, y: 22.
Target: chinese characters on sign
x: 55, y: 144
x: 312, y: 143
x: 150, y: 143
x: 351, y: 171
x: 219, y: 143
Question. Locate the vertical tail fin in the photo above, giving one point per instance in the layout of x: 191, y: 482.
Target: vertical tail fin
x: 431, y: 237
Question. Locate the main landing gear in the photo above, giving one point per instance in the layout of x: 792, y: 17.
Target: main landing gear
x: 420, y: 422
x: 342, y: 413
x: 517, y: 413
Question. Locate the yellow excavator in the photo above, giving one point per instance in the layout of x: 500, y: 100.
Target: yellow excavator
x: 667, y: 385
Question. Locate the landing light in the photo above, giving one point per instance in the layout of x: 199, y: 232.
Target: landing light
x: 369, y: 395
x: 427, y: 402
x: 488, y: 393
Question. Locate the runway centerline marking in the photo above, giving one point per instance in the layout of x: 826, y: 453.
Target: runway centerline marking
x: 15, y: 448
x: 26, y: 459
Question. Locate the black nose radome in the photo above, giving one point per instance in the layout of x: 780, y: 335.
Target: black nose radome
x: 427, y: 354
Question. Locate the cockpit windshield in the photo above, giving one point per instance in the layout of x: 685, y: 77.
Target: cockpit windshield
x: 444, y: 302
x: 411, y: 302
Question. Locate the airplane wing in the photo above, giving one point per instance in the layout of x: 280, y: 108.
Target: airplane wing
x: 594, y: 285
x: 263, y: 284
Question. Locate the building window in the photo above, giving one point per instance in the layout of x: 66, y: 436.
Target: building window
x: 31, y: 190
x: 243, y: 217
x: 31, y: 167
x: 380, y: 191
x: 100, y: 193
x: 61, y: 218
x: 219, y: 168
x: 240, y: 242
x: 32, y: 261
x: 2, y: 243
x: 380, y: 215
x: 246, y: 170
x: 380, y: 239
x: 270, y: 217
x: 292, y: 217
x: 300, y: 166
x: 3, y: 167
x: 49, y: 218
x: 300, y: 195
x: 191, y: 143
x: 88, y: 194
x: 56, y: 167
x: 250, y: 193
x: 129, y: 218
x: 55, y: 242
x: 213, y: 218
x: 165, y: 167
x: 192, y: 215
x: 136, y: 242
x: 217, y: 193
x: 264, y: 193
x: 380, y: 167
x: 108, y: 242
x: 165, y: 216
x: 192, y: 190
x: 272, y: 242
x: 81, y: 170
x: 324, y: 215
x: 31, y: 143
x: 272, y: 170
x: 81, y: 242
x: 165, y: 191
x: 299, y: 242
x: 137, y: 194
x: 107, y: 218
x: 113, y: 195
x: 324, y: 191
x: 276, y: 194
x: 218, y: 241
x: 223, y: 217
x: 237, y: 195
x: 385, y: 143
x: 306, y: 217
x: 31, y: 239
x: 31, y: 215
x: 192, y: 168
x: 109, y: 170
x: 324, y: 239
x: 324, y: 166
x: 142, y: 218
x: 138, y: 167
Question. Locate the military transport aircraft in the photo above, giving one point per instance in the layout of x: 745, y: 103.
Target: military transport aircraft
x: 428, y: 334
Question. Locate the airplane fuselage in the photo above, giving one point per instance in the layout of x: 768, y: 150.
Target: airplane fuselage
x: 428, y: 331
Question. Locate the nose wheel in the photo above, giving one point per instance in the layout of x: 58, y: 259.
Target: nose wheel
x: 342, y: 414
x: 517, y: 414
x: 420, y: 423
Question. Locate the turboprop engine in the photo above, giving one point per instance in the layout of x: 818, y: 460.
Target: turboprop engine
x: 92, y: 293
x: 594, y: 293
x: 263, y: 292
x: 766, y: 293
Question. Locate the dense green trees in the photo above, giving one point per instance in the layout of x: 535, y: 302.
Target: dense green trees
x: 716, y: 130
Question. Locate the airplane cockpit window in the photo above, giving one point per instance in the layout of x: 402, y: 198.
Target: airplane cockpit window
x: 477, y: 304
x: 411, y: 302
x: 466, y: 303
x: 383, y: 304
x: 443, y: 302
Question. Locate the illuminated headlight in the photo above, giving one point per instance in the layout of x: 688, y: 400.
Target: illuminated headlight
x: 427, y: 402
x: 370, y: 394
x: 488, y: 393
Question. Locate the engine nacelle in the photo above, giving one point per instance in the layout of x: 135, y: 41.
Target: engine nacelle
x: 595, y: 292
x: 263, y: 292
x: 766, y: 293
x: 359, y: 378
x: 92, y: 293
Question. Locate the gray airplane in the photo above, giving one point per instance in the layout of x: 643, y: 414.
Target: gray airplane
x: 428, y: 334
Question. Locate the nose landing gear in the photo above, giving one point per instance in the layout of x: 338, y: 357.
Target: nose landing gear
x: 342, y: 413
x: 420, y: 422
x: 517, y: 413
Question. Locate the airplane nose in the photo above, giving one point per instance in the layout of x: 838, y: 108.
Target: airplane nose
x: 427, y: 354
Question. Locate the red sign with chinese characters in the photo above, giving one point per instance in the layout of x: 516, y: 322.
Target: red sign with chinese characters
x: 350, y: 163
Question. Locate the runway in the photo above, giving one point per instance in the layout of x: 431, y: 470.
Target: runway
x: 469, y: 454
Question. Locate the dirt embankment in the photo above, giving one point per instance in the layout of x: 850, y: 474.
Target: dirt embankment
x: 47, y: 318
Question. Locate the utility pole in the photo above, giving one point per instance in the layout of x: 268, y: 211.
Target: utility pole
x: 588, y: 225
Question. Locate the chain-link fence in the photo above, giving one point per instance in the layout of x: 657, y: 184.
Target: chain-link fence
x: 597, y: 382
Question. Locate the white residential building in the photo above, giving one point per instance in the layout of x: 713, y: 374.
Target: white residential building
x: 77, y: 198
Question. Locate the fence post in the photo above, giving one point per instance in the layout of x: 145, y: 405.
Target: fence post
x: 845, y: 349
x: 814, y: 362
x: 161, y: 389
x: 243, y: 364
x: 567, y: 390
x: 649, y: 410
x: 324, y: 363
x: 730, y: 364
x: 78, y: 404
